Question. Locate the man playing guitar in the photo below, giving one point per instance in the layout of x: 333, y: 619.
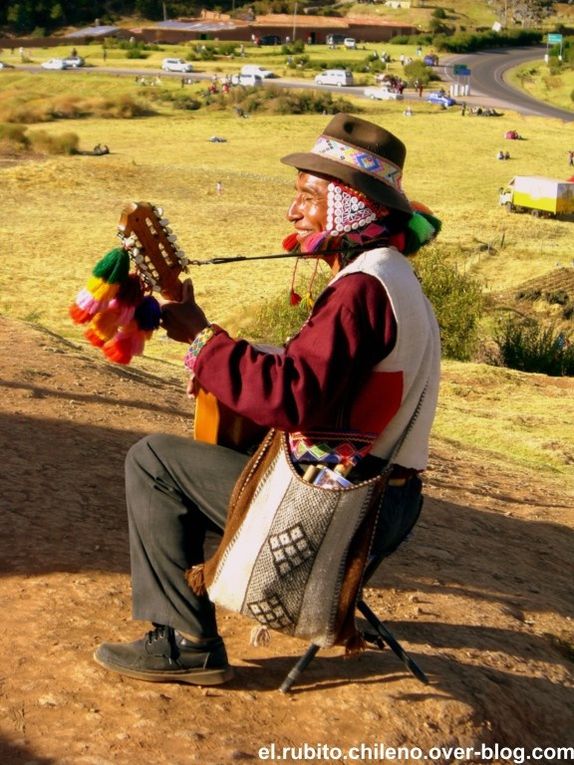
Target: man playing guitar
x: 367, y: 352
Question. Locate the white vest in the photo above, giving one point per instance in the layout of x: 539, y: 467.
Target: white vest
x: 393, y: 392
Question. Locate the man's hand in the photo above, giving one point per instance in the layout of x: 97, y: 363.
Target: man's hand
x: 183, y: 320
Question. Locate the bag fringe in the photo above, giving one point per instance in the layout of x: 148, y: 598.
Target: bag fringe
x: 260, y: 635
x: 355, y: 644
x: 196, y: 579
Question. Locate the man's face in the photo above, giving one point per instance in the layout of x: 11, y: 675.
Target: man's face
x: 308, y: 211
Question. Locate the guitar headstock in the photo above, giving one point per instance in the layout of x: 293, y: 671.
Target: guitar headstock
x: 152, y: 246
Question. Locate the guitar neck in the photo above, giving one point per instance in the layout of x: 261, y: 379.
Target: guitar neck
x: 146, y: 235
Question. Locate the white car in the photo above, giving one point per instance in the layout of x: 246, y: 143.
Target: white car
x: 257, y: 70
x: 54, y: 63
x: 338, y: 77
x: 380, y: 93
x: 247, y: 80
x: 73, y: 62
x: 176, y: 65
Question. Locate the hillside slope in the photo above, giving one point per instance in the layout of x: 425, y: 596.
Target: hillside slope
x: 481, y: 596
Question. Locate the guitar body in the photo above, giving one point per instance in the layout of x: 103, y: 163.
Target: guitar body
x: 215, y: 423
x: 159, y: 262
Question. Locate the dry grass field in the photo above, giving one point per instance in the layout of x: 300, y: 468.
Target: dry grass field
x: 482, y: 595
x: 64, y: 210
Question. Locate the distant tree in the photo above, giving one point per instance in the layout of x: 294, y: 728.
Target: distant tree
x: 149, y: 9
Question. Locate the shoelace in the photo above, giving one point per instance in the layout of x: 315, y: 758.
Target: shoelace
x: 158, y: 633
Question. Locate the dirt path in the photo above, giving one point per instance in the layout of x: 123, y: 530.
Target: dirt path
x: 482, y: 597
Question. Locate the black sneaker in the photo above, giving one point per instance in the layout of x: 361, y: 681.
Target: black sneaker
x: 164, y: 656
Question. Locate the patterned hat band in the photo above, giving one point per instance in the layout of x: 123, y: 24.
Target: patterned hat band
x: 359, y: 159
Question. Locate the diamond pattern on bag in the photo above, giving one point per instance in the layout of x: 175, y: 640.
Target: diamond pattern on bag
x: 290, y: 549
x: 271, y: 612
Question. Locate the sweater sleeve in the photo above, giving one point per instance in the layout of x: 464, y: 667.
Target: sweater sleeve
x: 351, y: 328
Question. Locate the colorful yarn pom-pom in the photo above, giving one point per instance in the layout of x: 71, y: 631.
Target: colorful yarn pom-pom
x: 102, y: 286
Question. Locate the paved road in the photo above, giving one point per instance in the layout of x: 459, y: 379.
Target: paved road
x: 487, y: 85
x: 487, y: 80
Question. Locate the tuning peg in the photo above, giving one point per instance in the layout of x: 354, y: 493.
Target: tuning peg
x: 164, y: 222
x: 171, y: 238
x: 158, y: 211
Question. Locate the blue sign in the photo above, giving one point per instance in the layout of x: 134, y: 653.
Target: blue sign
x: 461, y: 70
x: 554, y: 39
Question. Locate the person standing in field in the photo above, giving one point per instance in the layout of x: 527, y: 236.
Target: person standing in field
x: 365, y: 361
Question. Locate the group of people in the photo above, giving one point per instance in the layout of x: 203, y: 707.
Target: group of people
x: 366, y: 362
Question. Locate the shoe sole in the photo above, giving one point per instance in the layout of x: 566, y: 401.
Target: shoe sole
x: 191, y: 677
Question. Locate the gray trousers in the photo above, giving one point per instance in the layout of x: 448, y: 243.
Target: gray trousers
x: 177, y: 489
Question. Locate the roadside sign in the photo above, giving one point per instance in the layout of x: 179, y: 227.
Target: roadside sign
x: 461, y: 70
x: 554, y: 39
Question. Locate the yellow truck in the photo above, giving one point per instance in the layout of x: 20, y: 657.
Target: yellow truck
x: 540, y: 196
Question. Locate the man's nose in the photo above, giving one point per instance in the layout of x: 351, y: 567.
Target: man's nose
x: 294, y: 211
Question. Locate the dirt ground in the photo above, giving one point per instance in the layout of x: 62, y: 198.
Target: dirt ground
x: 482, y: 598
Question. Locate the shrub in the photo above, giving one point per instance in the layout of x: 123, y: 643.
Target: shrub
x: 280, y: 101
x: 529, y: 346
x: 293, y: 48
x: 13, y: 137
x: 136, y: 53
x: 66, y: 143
x: 416, y: 71
x: 457, y: 300
x: 277, y: 320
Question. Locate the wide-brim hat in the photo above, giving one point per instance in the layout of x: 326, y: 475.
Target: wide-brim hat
x: 360, y: 154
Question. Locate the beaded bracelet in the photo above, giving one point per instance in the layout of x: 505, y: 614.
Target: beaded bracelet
x: 200, y: 340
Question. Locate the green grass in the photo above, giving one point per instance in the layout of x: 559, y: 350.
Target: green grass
x: 536, y: 80
x: 64, y: 212
x: 507, y: 414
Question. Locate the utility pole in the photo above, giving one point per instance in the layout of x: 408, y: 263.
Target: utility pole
x: 164, y: 12
x: 294, y: 20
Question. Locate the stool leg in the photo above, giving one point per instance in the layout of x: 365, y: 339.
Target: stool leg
x: 299, y: 667
x: 389, y: 639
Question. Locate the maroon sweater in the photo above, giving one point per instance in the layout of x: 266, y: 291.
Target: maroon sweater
x: 351, y: 328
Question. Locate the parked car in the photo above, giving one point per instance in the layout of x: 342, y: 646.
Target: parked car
x: 441, y: 98
x: 270, y: 40
x: 260, y: 71
x: 431, y: 59
x: 338, y: 77
x: 247, y: 80
x: 334, y: 40
x: 176, y: 65
x: 54, y: 63
x: 3, y: 65
x: 380, y: 93
x: 350, y: 42
x: 73, y: 62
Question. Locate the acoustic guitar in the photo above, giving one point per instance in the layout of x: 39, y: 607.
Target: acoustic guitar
x: 145, y: 233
